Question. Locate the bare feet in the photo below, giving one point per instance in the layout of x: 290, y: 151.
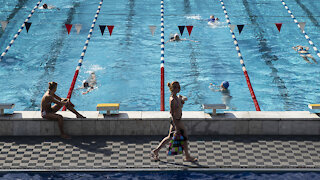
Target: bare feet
x: 154, y: 155
x: 80, y: 116
x: 64, y: 136
x: 190, y: 159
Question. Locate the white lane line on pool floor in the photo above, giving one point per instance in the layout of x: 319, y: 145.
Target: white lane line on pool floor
x: 303, y: 31
x: 19, y: 31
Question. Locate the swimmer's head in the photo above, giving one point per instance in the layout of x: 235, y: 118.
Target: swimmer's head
x: 45, y: 6
x: 52, y: 86
x: 212, y: 17
x: 85, y: 84
x: 174, y: 86
x: 225, y: 84
x: 176, y: 36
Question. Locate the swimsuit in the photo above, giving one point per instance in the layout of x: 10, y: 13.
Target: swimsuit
x: 303, y: 54
x: 211, y: 20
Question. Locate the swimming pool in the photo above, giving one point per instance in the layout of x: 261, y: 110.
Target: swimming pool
x: 127, y: 64
x: 162, y: 175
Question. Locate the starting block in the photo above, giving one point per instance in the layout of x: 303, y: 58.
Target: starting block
x: 214, y: 107
x: 314, y: 106
x: 4, y: 106
x: 108, y: 107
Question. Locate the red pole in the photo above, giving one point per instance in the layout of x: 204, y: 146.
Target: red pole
x: 162, y: 90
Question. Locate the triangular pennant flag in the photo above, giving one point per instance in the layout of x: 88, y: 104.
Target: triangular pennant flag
x: 278, y: 26
x: 78, y: 27
x: 4, y: 24
x: 152, y: 29
x: 27, y: 24
x: 102, y: 28
x: 181, y: 29
x: 189, y: 28
x: 240, y: 27
x: 302, y: 25
x: 68, y: 26
x: 110, y: 28
x: 232, y: 26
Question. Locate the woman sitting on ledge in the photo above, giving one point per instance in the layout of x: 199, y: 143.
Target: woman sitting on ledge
x: 49, y: 112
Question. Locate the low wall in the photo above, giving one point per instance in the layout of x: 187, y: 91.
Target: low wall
x: 30, y: 123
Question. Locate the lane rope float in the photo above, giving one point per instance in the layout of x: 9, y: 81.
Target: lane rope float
x: 19, y: 31
x: 83, y: 53
x: 253, y: 96
x: 304, y: 32
x: 162, y: 59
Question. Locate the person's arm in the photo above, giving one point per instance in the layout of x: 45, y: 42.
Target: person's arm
x: 294, y: 47
x: 57, y: 97
x: 306, y: 48
x: 54, y: 100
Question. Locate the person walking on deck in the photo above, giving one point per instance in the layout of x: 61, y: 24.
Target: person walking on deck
x: 176, y: 124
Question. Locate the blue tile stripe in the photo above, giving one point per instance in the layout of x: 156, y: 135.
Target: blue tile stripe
x: 18, y: 33
x: 304, y: 32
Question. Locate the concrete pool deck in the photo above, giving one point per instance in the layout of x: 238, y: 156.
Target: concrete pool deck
x: 114, y: 153
x: 233, y: 140
x: 30, y: 123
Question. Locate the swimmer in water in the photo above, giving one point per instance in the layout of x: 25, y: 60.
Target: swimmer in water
x: 89, y: 84
x: 45, y: 6
x: 304, y: 53
x: 213, y: 19
x: 176, y: 38
x: 223, y: 88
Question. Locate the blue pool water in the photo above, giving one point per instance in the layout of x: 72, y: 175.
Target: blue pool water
x: 163, y: 175
x: 127, y: 64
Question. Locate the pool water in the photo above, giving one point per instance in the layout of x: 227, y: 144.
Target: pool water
x: 127, y: 64
x: 162, y: 175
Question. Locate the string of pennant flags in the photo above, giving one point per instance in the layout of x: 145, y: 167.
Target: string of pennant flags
x: 152, y: 28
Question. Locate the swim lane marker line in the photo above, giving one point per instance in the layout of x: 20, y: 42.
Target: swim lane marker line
x: 83, y: 53
x: 304, y: 32
x: 241, y: 59
x: 162, y: 59
x: 19, y: 31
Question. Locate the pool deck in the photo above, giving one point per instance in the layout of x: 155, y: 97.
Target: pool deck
x: 229, y: 141
x: 128, y: 153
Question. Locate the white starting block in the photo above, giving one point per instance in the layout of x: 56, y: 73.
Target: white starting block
x: 214, y: 107
x: 109, y: 107
x: 4, y: 106
x: 314, y: 106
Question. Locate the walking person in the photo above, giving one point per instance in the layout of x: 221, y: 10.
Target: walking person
x: 176, y: 125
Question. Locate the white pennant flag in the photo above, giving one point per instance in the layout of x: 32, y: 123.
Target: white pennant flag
x: 78, y: 27
x: 152, y: 29
x: 232, y: 26
x: 4, y: 24
x: 302, y: 25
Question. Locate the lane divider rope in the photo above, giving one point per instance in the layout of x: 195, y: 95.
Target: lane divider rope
x: 83, y: 53
x: 304, y: 32
x: 253, y: 96
x: 19, y: 31
x: 162, y: 59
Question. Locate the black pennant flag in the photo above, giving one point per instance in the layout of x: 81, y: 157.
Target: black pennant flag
x: 27, y: 24
x: 102, y: 28
x: 181, y: 29
x: 240, y: 27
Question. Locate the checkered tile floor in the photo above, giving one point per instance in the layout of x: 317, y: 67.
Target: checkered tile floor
x: 109, y: 152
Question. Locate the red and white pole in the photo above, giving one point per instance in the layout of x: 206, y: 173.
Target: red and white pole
x: 162, y: 60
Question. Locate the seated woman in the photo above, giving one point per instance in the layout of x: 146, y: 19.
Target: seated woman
x: 49, y: 112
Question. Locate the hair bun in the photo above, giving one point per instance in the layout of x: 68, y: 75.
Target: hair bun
x: 169, y: 84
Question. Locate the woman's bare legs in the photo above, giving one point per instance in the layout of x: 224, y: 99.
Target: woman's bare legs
x: 180, y: 126
x: 59, y: 118
x: 155, y: 152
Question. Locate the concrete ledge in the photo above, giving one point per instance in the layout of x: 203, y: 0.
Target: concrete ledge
x: 30, y: 123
